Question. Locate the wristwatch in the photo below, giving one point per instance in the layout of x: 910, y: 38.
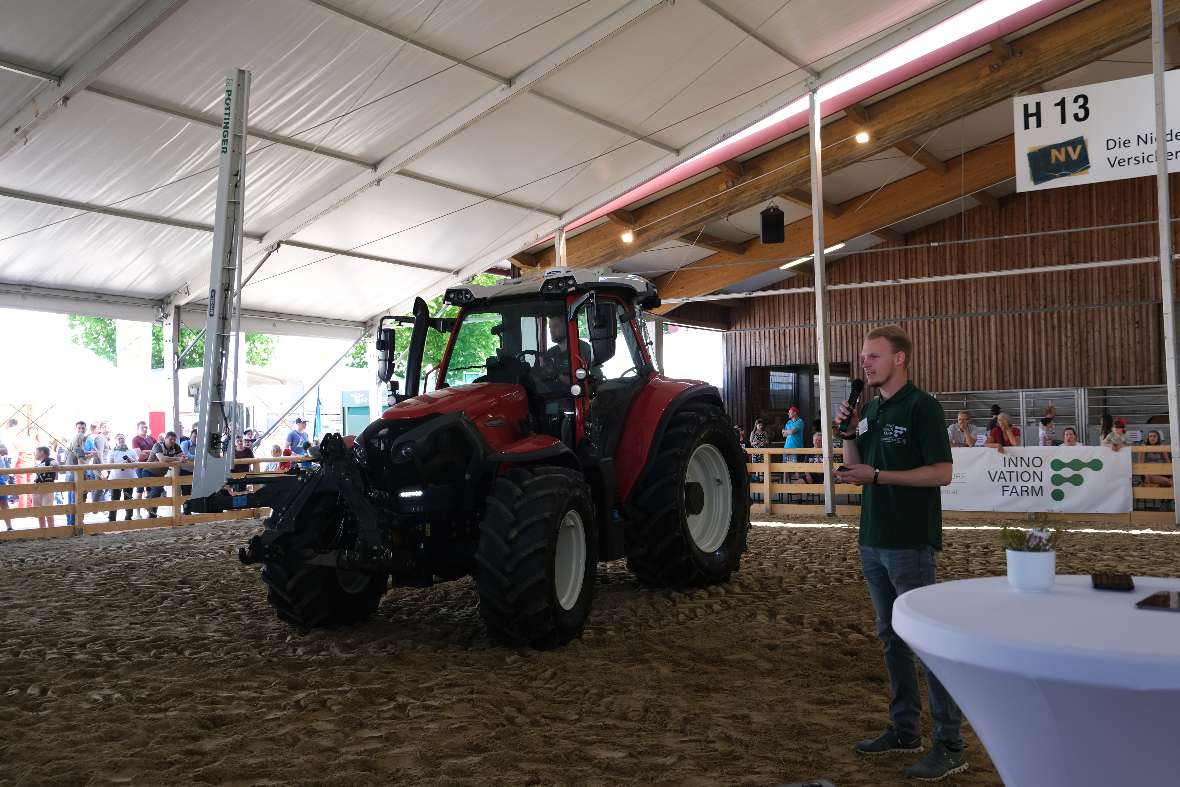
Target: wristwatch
x: 876, y: 473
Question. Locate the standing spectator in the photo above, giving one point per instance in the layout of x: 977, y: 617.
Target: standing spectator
x: 252, y: 439
x: 286, y: 466
x: 1045, y: 434
x: 75, y: 455
x: 793, y: 431
x: 1105, y: 426
x: 817, y: 441
x: 274, y: 467
x: 995, y: 411
x: 758, y: 436
x: 9, y: 435
x: 168, y: 452
x: 741, y: 435
x: 961, y: 433
x: 99, y: 447
x: 1069, y: 437
x: 901, y: 457
x: 297, y: 437
x: 1005, y: 435
x: 5, y: 480
x: 44, y: 477
x: 121, y: 453
x: 142, y: 443
x: 1153, y: 439
x: 1117, y: 437
x: 1051, y: 411
x: 242, y: 451
x: 188, y: 445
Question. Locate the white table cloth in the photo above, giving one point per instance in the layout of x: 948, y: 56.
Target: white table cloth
x: 1072, y: 687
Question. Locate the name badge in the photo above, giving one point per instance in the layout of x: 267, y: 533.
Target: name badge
x: 862, y: 427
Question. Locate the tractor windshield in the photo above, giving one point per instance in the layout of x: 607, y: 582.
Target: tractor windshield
x: 499, y: 338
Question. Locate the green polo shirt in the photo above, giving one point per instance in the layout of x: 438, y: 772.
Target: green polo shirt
x: 905, y: 431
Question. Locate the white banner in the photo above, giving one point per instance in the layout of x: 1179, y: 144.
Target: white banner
x: 1082, y: 480
x: 1092, y: 133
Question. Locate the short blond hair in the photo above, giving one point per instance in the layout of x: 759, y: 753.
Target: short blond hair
x: 898, y: 340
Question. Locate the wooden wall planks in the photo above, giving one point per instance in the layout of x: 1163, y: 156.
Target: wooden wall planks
x: 1073, y: 328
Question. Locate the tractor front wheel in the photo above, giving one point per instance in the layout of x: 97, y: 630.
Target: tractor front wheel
x: 310, y: 596
x: 537, y: 560
x: 693, y: 510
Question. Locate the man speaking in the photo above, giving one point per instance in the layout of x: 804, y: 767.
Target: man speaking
x: 896, y: 447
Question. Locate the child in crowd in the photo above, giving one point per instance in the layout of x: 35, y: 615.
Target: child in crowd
x: 273, y: 467
x: 5, y: 480
x: 44, y: 477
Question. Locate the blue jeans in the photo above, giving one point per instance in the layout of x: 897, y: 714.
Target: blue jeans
x: 889, y: 573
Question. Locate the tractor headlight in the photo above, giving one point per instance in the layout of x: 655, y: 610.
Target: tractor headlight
x: 406, y: 452
x: 558, y: 284
x: 410, y: 493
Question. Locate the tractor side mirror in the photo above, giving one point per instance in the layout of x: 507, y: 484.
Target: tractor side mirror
x: 600, y: 317
x: 386, y: 352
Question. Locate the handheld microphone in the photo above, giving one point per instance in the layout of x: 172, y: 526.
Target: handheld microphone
x: 858, y: 385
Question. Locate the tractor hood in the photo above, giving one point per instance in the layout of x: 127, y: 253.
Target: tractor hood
x: 474, y: 400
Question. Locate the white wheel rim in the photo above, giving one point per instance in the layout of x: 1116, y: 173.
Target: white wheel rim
x: 569, y: 560
x: 707, y: 467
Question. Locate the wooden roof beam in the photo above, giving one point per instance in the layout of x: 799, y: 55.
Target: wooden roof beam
x: 986, y: 199
x: 866, y: 214
x: 889, y: 236
x: 622, y: 218
x: 801, y: 197
x: 734, y: 168
x: 720, y: 245
x: 1046, y: 53
x: 909, y: 147
x: 523, y: 260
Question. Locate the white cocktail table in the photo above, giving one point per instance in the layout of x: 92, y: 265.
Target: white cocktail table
x: 1072, y: 687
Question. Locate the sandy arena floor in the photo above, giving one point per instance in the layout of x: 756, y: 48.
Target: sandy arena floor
x: 152, y: 658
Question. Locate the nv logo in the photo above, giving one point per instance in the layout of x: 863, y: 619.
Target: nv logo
x: 1059, y: 160
x: 1077, y: 480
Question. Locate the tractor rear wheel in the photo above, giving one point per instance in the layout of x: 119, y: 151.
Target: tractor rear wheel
x: 537, y: 559
x: 310, y: 597
x: 694, y: 508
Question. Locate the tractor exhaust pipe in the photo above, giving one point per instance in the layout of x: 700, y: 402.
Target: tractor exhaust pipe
x: 417, y: 347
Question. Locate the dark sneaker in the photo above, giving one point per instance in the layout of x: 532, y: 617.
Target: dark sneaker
x: 940, y: 763
x: 888, y: 742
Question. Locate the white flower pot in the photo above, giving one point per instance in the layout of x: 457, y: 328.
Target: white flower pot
x: 1031, y: 571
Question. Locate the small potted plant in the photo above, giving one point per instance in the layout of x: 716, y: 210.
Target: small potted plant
x: 1032, y: 557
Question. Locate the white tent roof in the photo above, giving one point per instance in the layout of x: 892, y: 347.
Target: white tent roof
x: 366, y: 142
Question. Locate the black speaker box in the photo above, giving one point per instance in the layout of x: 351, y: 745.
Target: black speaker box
x: 773, y: 225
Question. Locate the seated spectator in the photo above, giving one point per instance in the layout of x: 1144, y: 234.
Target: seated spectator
x: 1045, y: 434
x: 1070, y: 437
x: 44, y: 477
x: 188, y: 445
x: 286, y: 466
x: 1153, y: 439
x: 1117, y: 437
x: 961, y: 432
x: 1005, y: 435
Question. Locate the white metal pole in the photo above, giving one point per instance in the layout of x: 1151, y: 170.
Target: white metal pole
x: 821, y: 305
x: 1164, y: 203
x: 213, y: 460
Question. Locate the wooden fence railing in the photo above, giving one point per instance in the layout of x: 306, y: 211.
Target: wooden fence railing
x: 777, y: 478
x: 72, y: 483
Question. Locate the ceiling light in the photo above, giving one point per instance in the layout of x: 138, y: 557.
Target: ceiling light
x: 802, y: 260
x: 627, y: 237
x: 862, y: 137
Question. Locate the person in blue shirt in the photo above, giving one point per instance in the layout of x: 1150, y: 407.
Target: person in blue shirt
x: 297, y: 437
x: 793, y: 431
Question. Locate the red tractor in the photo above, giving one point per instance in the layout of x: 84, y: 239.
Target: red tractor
x: 564, y: 447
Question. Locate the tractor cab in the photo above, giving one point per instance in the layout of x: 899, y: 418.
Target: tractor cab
x: 574, y: 342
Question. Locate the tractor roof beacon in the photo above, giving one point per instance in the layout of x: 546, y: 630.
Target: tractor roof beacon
x: 548, y: 443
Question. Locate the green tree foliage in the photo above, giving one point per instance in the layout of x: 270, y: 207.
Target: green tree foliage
x: 259, y: 348
x: 357, y: 359
x: 473, y: 347
x: 96, y: 334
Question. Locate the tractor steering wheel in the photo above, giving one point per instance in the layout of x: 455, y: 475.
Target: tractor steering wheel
x: 520, y: 356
